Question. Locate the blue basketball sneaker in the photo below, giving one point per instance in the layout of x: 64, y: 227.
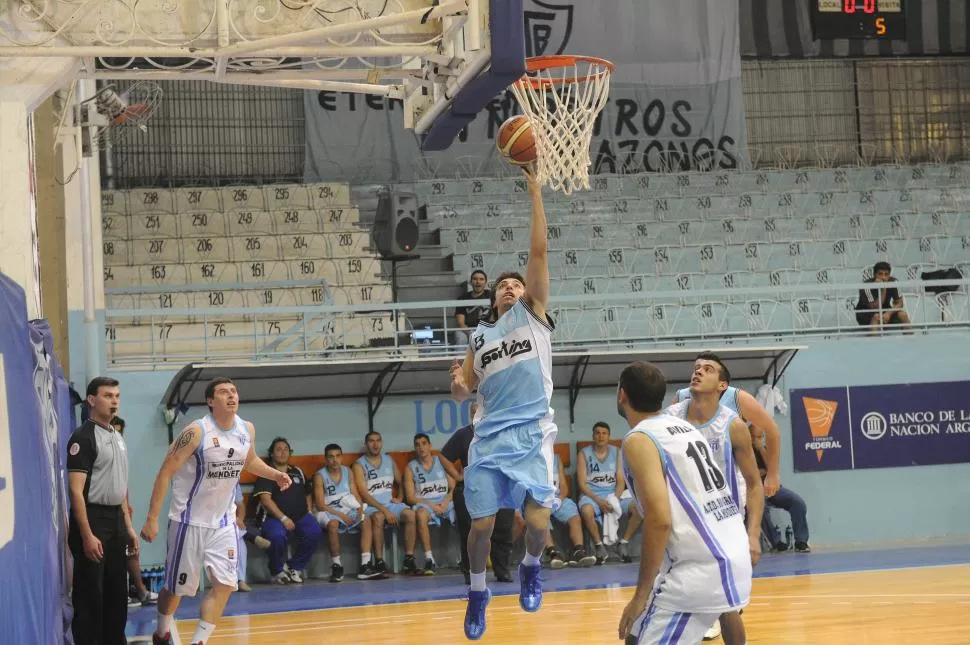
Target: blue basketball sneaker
x: 530, y: 594
x: 475, y: 614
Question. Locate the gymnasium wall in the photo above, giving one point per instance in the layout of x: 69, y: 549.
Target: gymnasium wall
x: 868, y: 506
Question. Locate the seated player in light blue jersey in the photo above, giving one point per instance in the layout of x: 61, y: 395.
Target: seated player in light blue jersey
x: 377, y: 477
x: 510, y: 458
x: 695, y: 564
x: 339, y: 507
x: 600, y: 487
x: 568, y: 515
x: 428, y: 488
x: 733, y: 453
x: 763, y: 427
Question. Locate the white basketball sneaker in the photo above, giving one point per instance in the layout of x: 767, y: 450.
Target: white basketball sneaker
x: 713, y: 632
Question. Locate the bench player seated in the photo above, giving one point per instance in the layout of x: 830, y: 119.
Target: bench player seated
x: 567, y: 514
x: 428, y: 488
x: 601, y: 490
x: 377, y: 477
x: 339, y: 507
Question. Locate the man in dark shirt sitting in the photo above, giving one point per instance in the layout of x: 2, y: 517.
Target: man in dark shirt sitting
x: 881, y: 306
x: 454, y: 451
x: 284, y: 513
x: 467, y: 318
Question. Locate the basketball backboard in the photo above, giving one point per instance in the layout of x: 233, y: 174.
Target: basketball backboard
x: 445, y: 59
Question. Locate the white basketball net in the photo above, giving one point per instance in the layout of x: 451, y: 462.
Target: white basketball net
x: 562, y: 103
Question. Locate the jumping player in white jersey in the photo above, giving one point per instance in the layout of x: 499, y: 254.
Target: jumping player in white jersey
x: 511, y: 455
x: 731, y: 447
x: 203, y: 465
x: 694, y: 563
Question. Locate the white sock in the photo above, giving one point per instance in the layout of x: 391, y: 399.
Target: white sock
x: 478, y: 581
x: 597, y: 544
x: 164, y: 624
x: 428, y: 555
x: 624, y: 541
x: 336, y: 559
x: 203, y: 632
x: 364, y: 558
x: 530, y: 560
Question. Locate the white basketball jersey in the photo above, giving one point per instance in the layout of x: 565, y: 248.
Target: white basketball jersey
x: 707, y: 567
x: 717, y: 431
x: 203, y: 489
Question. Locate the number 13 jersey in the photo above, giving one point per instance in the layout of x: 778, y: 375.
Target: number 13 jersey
x: 707, y: 566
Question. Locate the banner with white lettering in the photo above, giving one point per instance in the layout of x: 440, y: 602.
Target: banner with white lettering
x: 880, y: 426
x: 675, y: 103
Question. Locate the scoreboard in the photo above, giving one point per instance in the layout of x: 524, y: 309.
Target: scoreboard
x: 859, y: 19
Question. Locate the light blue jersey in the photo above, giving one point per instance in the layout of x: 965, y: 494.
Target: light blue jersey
x: 430, y: 485
x: 729, y: 398
x: 379, y: 479
x: 334, y: 491
x: 513, y: 362
x: 601, y: 475
x: 717, y: 431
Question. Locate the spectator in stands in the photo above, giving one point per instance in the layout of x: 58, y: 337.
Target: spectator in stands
x: 142, y: 595
x: 467, y: 317
x: 454, y: 456
x: 790, y: 501
x: 567, y: 514
x: 286, y: 512
x: 601, y: 489
x: 376, y: 477
x: 880, y: 306
x: 340, y: 510
x: 429, y: 489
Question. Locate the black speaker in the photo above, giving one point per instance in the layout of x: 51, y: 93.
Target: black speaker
x: 396, y: 224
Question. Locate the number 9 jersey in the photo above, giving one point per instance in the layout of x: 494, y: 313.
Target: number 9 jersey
x: 707, y: 566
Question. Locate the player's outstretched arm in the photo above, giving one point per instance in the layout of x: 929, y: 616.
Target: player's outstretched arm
x: 178, y: 453
x: 537, y: 270
x: 743, y: 451
x: 643, y: 460
x: 755, y: 414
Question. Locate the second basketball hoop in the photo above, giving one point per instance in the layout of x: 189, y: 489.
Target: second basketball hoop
x: 562, y: 96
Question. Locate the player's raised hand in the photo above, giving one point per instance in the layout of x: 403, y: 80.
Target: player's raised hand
x: 457, y: 375
x: 283, y: 481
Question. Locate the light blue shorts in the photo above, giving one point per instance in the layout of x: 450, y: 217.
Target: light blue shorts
x: 585, y: 500
x: 394, y: 507
x: 434, y: 519
x: 509, y: 466
x: 324, y: 518
x: 567, y: 510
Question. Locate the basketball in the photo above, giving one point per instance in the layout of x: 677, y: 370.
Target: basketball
x: 516, y: 141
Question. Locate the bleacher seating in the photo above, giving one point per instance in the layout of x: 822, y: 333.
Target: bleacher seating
x: 236, y: 248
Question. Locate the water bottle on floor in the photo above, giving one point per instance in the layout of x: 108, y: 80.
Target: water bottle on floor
x: 788, y: 533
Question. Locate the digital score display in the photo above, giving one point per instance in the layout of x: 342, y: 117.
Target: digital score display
x: 859, y: 19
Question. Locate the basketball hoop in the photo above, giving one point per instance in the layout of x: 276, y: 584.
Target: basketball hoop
x: 562, y: 96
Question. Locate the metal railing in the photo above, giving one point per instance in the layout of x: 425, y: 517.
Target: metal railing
x: 645, y: 320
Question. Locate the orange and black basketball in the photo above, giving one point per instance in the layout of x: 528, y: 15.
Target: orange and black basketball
x: 516, y: 142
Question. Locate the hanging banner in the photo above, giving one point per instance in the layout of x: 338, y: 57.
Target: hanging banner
x: 880, y: 426
x: 676, y: 100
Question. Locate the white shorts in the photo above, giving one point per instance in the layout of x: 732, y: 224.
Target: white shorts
x: 194, y: 548
x: 656, y: 625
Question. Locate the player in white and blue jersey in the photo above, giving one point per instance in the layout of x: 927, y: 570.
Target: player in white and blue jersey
x: 511, y: 457
x: 733, y: 453
x: 567, y: 515
x: 598, y: 478
x: 429, y: 489
x: 203, y: 466
x: 695, y: 563
x: 377, y: 476
x: 763, y: 427
x: 339, y: 507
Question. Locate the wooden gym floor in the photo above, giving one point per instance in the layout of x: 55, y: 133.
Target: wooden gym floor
x: 921, y: 598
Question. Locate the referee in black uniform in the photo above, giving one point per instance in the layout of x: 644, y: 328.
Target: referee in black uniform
x: 100, y: 534
x: 456, y: 449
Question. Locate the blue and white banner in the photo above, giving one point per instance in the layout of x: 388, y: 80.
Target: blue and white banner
x: 675, y: 102
x: 880, y: 426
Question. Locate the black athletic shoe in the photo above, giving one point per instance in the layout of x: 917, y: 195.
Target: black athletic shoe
x: 410, y: 567
x: 336, y: 573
